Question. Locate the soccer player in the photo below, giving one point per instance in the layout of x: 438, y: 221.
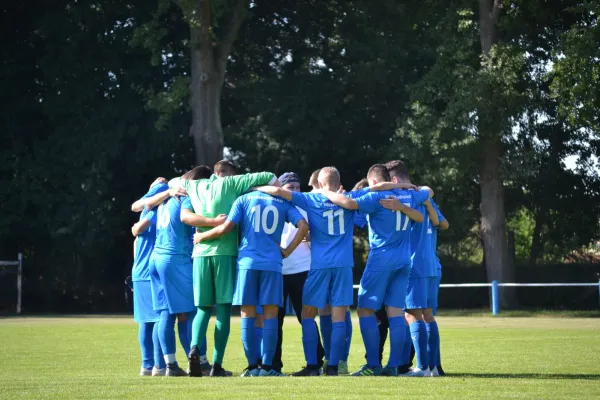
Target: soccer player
x: 143, y: 312
x: 385, y: 278
x: 421, y: 283
x: 329, y: 280
x: 259, y: 279
x: 171, y: 275
x: 433, y: 337
x: 295, y: 270
x: 214, y: 260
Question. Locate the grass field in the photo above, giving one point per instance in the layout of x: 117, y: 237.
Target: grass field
x: 98, y: 358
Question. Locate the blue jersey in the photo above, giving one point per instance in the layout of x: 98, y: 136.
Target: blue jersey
x: 423, y: 248
x: 262, y: 218
x: 389, y: 231
x: 331, y: 229
x: 144, y: 243
x: 437, y: 264
x: 360, y: 220
x: 173, y: 237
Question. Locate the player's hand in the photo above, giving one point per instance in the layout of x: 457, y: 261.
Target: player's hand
x: 198, y: 237
x: 220, y: 219
x: 391, y: 204
x: 284, y: 252
x: 341, y: 189
x: 158, y: 180
x: 177, y: 192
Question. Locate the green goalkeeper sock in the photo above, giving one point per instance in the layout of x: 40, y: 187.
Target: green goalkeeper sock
x: 222, y: 328
x: 200, y: 325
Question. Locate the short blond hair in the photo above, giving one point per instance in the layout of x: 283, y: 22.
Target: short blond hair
x: 329, y: 176
x: 314, y: 179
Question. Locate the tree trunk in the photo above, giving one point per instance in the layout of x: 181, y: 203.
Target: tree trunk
x: 537, y: 246
x: 493, y: 220
x: 209, y: 62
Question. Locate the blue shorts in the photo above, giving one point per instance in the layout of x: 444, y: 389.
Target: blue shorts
x: 383, y: 288
x: 331, y: 286
x: 438, y: 281
x: 421, y: 293
x: 258, y: 288
x: 172, y: 283
x: 142, y: 303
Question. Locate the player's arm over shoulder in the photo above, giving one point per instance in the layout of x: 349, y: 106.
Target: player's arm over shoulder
x: 243, y: 183
x: 340, y: 200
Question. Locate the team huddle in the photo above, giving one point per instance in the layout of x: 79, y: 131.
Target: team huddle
x: 260, y: 242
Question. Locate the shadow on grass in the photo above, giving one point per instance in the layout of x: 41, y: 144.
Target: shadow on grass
x: 591, y: 377
x: 521, y: 313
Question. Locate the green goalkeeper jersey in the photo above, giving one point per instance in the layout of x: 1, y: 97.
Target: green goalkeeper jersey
x: 214, y: 196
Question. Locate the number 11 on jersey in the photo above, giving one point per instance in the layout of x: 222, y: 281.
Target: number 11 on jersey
x: 330, y: 216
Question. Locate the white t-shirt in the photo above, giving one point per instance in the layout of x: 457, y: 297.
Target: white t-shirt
x: 299, y: 260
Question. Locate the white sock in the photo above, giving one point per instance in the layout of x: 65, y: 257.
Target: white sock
x: 203, y: 359
x: 170, y: 358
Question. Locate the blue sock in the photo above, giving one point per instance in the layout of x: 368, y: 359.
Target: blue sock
x: 418, y: 333
x: 166, y: 332
x: 338, y: 342
x: 370, y: 334
x: 397, y: 339
x: 325, y: 322
x: 248, y: 340
x: 146, y: 347
x: 310, y: 338
x: 159, y: 357
x: 269, y: 340
x: 184, y: 329
x: 348, y: 336
x: 405, y: 357
x: 258, y: 341
x: 433, y: 344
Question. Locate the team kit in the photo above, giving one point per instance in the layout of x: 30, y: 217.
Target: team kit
x: 212, y: 239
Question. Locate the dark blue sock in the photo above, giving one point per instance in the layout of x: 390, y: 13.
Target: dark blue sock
x: 146, y: 346
x: 397, y: 336
x: 184, y: 338
x: 338, y: 342
x: 348, y: 336
x: 325, y: 322
x: 166, y: 332
x: 258, y: 341
x: 159, y: 357
x: 370, y: 334
x: 418, y: 333
x: 433, y: 344
x: 247, y: 328
x: 405, y: 357
x: 269, y: 340
x: 310, y: 339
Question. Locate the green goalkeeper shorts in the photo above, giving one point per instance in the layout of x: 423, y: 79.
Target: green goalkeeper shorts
x: 214, y: 279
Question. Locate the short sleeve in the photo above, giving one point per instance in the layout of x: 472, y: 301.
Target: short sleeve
x: 293, y: 216
x: 360, y: 220
x: 368, y: 203
x: 300, y: 200
x: 358, y: 193
x: 420, y: 196
x: 186, y: 203
x: 237, y: 211
x: 151, y: 216
x: 156, y: 189
x: 437, y: 210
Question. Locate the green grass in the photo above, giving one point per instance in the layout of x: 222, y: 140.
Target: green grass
x: 485, y: 357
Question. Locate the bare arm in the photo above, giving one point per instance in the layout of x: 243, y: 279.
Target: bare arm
x: 394, y: 204
x: 379, y: 187
x: 140, y: 227
x: 300, y: 234
x: 190, y: 218
x: 433, y: 217
x: 139, y: 204
x: 214, y: 232
x: 444, y: 225
x: 275, y: 191
x: 340, y: 200
x: 159, y: 198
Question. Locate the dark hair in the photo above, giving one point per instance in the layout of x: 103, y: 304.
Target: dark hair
x: 363, y: 183
x: 225, y: 167
x: 379, y: 172
x: 314, y: 181
x: 397, y: 168
x: 196, y: 173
